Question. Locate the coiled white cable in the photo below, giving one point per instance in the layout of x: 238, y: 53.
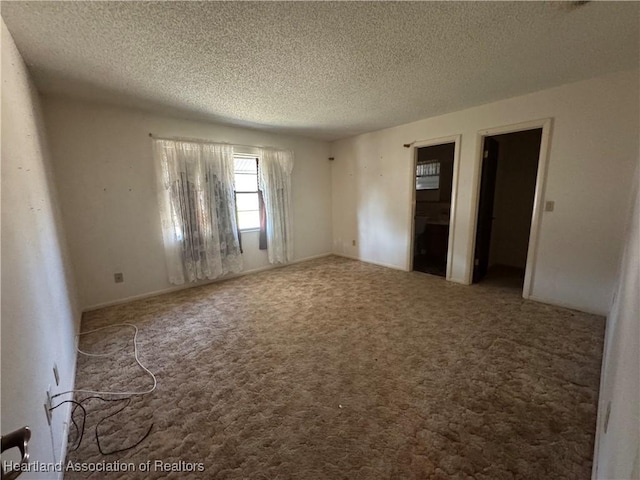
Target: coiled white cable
x: 135, y: 354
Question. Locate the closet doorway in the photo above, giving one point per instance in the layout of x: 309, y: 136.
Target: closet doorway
x: 434, y: 189
x: 509, y: 183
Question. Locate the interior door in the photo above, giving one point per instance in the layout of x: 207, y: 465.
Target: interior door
x: 485, y: 208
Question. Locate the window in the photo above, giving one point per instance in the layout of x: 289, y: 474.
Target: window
x: 246, y: 186
x: 428, y: 175
x: 197, y: 209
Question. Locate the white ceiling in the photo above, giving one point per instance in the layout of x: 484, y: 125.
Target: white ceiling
x: 320, y: 69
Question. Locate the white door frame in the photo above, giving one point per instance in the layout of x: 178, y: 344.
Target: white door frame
x: 538, y: 201
x: 455, y: 139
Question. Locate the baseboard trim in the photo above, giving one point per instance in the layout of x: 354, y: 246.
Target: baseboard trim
x: 555, y: 303
x: 62, y: 459
x: 372, y: 262
x: 459, y: 281
x: 177, y: 288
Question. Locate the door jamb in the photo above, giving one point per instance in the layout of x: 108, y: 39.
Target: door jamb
x: 455, y: 139
x: 538, y: 200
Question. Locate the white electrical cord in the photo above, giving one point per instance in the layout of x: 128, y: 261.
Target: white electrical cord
x: 135, y: 354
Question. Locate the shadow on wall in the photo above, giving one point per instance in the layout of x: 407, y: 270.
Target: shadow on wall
x: 40, y: 314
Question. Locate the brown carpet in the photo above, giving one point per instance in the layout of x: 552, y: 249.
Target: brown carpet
x: 337, y: 369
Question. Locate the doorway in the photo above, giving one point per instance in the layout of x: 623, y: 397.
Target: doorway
x: 505, y: 207
x: 434, y: 174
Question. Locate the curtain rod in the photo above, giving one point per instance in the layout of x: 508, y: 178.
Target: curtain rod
x: 200, y: 140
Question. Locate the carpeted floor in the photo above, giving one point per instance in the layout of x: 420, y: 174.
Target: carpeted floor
x: 337, y: 369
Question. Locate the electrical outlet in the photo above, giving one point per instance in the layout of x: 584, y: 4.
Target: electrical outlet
x: 549, y: 205
x: 56, y: 374
x: 353, y: 243
x: 118, y: 277
x: 48, y: 404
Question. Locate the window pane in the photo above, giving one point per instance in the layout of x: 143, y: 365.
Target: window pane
x: 246, y: 201
x: 250, y: 219
x: 245, y: 165
x: 246, y: 183
x: 246, y: 180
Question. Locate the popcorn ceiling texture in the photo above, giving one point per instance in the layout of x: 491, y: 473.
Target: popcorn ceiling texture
x: 322, y: 69
x: 337, y: 369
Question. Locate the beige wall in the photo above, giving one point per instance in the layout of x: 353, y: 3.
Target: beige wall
x: 593, y: 151
x: 39, y: 311
x: 104, y: 170
x: 617, y: 454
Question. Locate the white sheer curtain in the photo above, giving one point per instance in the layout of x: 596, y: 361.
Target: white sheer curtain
x: 197, y: 209
x: 275, y: 182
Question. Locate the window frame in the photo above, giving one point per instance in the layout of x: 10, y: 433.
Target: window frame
x: 255, y: 158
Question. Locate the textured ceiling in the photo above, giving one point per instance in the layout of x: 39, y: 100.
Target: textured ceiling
x: 321, y: 69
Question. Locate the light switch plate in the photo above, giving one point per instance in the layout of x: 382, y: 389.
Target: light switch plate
x: 549, y: 205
